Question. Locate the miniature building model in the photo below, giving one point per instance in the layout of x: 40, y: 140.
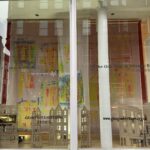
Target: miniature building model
x: 85, y: 127
x: 130, y: 126
x: 146, y: 110
x: 36, y: 128
x: 52, y: 127
x: 65, y: 126
x: 58, y: 126
x: 146, y: 134
x: 61, y: 126
x: 8, y: 126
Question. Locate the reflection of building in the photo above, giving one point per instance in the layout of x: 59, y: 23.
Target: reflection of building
x: 132, y: 127
x: 128, y: 124
x: 146, y: 110
x: 40, y: 49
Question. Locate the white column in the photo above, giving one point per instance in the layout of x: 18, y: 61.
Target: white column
x: 73, y: 77
x: 104, y: 84
x: 3, y: 33
x: 147, y: 61
x: 4, y: 6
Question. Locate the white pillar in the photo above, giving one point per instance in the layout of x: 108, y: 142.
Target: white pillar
x: 3, y: 33
x: 4, y: 6
x: 73, y: 77
x: 147, y: 62
x: 104, y: 84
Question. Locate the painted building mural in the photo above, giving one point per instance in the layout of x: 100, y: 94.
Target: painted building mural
x: 40, y: 73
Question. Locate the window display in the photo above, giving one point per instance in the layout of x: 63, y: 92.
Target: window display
x: 40, y: 106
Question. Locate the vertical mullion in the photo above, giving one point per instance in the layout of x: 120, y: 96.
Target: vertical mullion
x: 73, y: 77
x: 104, y: 83
x: 4, y: 7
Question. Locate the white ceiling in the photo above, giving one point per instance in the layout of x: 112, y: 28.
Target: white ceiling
x: 121, y: 9
x: 133, y: 9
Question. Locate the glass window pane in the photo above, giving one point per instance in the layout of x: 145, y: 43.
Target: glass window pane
x: 128, y: 72
x: 35, y: 73
x: 88, y: 97
x: 36, y: 89
x: 128, y: 42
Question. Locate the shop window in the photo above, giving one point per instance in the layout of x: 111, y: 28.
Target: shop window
x: 43, y: 4
x: 58, y: 4
x: 20, y: 4
x: 59, y: 27
x: 19, y: 28
x: 43, y: 28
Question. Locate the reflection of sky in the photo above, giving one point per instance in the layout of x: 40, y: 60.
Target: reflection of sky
x: 3, y: 9
x: 3, y: 17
